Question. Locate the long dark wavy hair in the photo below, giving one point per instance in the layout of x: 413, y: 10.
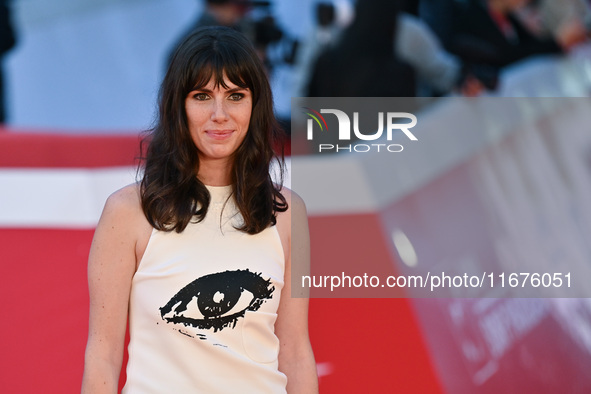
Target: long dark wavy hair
x: 171, y: 193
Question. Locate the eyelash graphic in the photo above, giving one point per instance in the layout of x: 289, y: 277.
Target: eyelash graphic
x: 217, y: 300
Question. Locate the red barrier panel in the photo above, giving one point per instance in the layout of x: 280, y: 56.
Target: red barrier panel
x: 27, y: 150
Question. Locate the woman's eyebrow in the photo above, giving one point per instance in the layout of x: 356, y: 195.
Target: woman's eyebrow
x: 205, y: 90
x: 236, y: 89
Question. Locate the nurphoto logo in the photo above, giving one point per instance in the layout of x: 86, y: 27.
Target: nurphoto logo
x: 394, y: 123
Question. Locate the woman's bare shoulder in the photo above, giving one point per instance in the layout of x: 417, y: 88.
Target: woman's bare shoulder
x: 126, y: 198
x: 125, y: 204
x: 124, y: 208
x: 124, y: 218
x: 295, y: 214
x: 295, y: 203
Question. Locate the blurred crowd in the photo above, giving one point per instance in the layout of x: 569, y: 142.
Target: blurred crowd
x: 409, y: 48
x: 387, y: 48
x: 437, y: 47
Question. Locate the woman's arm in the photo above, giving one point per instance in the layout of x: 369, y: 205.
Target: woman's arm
x: 119, y: 239
x: 296, y: 359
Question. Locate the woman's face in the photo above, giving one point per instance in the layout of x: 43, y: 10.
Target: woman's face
x: 218, y: 119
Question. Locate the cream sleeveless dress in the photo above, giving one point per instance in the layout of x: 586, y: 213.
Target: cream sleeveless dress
x: 203, y: 306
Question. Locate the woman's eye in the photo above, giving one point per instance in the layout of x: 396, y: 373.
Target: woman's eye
x: 217, y: 300
x: 236, y: 96
x: 201, y: 96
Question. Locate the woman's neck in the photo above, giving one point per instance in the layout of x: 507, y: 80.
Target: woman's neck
x: 215, y: 173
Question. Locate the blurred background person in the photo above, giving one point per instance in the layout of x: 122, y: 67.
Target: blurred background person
x: 331, y: 19
x: 486, y: 31
x: 262, y: 30
x: 362, y: 63
x: 568, y: 21
x: 7, y: 42
x: 438, y: 71
x: 229, y: 13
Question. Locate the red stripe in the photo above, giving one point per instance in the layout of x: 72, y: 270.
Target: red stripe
x: 35, y: 150
x: 58, y: 150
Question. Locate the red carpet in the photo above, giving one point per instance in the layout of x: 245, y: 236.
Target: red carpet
x: 46, y: 309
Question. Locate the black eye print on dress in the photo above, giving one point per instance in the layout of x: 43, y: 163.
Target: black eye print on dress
x: 217, y: 300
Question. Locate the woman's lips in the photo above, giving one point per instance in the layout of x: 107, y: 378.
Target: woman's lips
x: 219, y: 134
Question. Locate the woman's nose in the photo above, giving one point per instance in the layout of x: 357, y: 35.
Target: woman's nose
x: 219, y: 111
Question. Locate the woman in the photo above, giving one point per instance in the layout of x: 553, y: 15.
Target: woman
x: 201, y: 250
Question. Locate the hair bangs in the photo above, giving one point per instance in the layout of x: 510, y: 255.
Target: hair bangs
x: 219, y: 65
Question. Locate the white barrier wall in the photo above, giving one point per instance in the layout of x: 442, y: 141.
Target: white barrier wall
x: 493, y: 186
